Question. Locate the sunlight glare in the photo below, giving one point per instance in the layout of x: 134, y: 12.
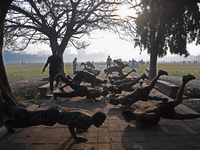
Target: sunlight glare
x: 123, y: 12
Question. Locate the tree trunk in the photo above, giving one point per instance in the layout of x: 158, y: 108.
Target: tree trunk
x: 154, y: 47
x: 153, y: 65
x: 5, y: 90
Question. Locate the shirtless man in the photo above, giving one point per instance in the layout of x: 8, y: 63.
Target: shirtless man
x: 72, y: 117
x: 78, y: 90
x: 127, y: 86
x: 161, y: 110
x: 84, y: 76
x: 119, y: 63
x: 90, y: 68
x: 122, y: 76
x: 114, y: 69
x: 140, y: 94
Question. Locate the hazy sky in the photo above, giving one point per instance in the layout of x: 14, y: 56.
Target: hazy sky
x: 106, y: 44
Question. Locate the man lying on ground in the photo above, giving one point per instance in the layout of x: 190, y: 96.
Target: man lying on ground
x: 119, y: 63
x: 125, y: 86
x: 72, y: 117
x: 118, y: 82
x: 148, y: 117
x: 140, y: 94
x: 78, y: 90
x: 114, y: 69
x: 90, y: 68
x: 122, y: 76
x: 84, y: 76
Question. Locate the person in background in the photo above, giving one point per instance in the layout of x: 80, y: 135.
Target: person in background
x: 55, y: 67
x: 74, y: 65
x: 108, y: 62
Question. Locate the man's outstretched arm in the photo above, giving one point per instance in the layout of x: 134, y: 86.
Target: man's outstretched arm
x: 75, y: 124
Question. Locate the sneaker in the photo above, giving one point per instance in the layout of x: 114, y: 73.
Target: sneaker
x: 8, y: 127
x: 162, y: 72
x: 144, y: 76
x: 55, y: 96
x: 188, y: 77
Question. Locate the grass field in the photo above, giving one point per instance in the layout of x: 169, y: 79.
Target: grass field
x: 17, y: 71
x: 178, y: 69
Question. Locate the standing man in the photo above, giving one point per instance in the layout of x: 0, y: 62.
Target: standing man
x: 74, y: 65
x: 108, y: 62
x: 55, y: 67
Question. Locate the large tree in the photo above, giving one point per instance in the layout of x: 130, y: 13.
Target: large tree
x: 57, y: 22
x: 79, y: 19
x: 167, y: 25
x: 5, y: 91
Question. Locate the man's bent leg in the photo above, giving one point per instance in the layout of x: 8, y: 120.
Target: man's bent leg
x: 186, y: 116
x: 68, y: 82
x: 82, y: 91
x: 185, y: 80
x: 153, y: 82
x: 45, y: 117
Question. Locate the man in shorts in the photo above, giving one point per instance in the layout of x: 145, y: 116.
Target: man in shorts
x: 78, y: 90
x: 140, y: 94
x: 72, y: 117
x: 163, y: 110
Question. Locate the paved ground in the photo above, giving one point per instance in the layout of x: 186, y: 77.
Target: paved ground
x: 114, y: 134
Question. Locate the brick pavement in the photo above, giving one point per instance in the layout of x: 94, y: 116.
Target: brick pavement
x: 114, y: 134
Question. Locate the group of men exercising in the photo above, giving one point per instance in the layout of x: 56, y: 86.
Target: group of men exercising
x: 81, y: 120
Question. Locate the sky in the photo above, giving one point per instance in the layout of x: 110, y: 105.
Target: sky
x: 105, y: 44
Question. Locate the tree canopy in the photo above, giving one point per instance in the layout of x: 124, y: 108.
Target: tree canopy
x: 57, y: 22
x: 166, y: 25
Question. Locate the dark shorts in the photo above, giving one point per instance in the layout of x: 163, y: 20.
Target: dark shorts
x: 143, y: 93
x: 166, y: 110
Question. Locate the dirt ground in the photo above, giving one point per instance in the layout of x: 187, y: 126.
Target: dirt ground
x: 191, y: 98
